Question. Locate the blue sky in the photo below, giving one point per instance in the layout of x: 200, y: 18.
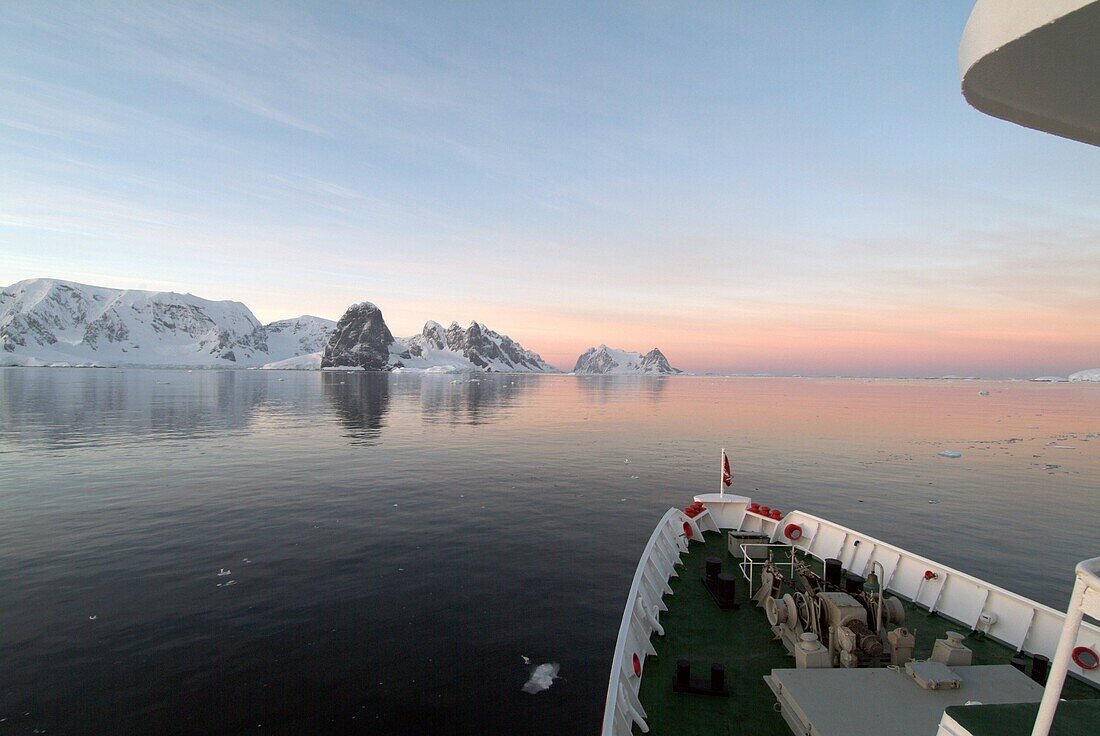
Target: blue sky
x: 771, y: 187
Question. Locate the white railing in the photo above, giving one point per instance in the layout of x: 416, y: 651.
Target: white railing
x: 644, y: 604
x: 748, y: 565
x: 1084, y: 600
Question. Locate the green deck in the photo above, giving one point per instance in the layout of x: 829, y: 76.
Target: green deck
x: 697, y: 630
x: 1073, y: 718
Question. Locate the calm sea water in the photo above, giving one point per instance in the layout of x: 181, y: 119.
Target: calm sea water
x: 397, y: 543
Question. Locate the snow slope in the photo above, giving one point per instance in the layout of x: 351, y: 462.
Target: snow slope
x: 307, y: 362
x: 299, y: 336
x: 607, y: 361
x: 49, y: 321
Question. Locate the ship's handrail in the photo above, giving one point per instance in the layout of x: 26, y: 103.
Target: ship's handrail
x: 1005, y: 616
x: 748, y: 565
x: 657, y: 564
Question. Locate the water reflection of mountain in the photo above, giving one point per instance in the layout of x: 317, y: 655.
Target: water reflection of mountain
x: 360, y: 400
x: 79, y: 407
x: 611, y: 389
x: 469, y: 399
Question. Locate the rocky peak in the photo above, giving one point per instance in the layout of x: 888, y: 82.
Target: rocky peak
x: 655, y: 362
x: 361, y: 339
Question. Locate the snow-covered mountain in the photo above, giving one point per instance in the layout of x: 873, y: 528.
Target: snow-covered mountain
x: 299, y: 336
x: 49, y: 321
x: 483, y: 348
x: 605, y: 360
x: 362, y: 340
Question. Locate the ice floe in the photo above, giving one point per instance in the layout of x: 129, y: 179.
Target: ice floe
x: 542, y: 677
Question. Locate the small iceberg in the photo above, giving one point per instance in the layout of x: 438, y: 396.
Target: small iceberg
x: 542, y: 678
x: 1092, y: 374
x: 949, y: 453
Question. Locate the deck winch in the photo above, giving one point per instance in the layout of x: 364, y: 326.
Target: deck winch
x: 846, y: 617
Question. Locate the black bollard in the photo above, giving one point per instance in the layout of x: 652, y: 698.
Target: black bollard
x: 717, y: 677
x: 1019, y: 663
x: 1039, y: 666
x: 853, y: 584
x: 727, y: 590
x: 833, y: 571
x: 714, y: 567
x: 683, y: 674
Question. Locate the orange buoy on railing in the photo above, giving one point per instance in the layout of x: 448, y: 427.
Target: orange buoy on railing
x: 637, y: 665
x: 929, y: 575
x: 793, y: 532
x: 687, y: 530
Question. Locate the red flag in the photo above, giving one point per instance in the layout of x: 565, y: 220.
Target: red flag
x: 727, y: 476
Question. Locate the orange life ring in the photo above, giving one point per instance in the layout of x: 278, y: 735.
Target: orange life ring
x: 637, y: 666
x: 929, y: 575
x: 793, y: 532
x: 1085, y: 658
x: 687, y: 530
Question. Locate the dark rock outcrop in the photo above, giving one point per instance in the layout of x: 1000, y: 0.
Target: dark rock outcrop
x: 361, y: 340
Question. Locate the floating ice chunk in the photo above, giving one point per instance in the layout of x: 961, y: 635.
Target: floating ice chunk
x: 223, y: 572
x: 949, y: 453
x: 93, y: 617
x: 627, y: 461
x: 983, y: 393
x: 1062, y: 447
x: 526, y: 659
x: 542, y: 677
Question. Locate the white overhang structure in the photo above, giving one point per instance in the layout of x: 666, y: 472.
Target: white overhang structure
x: 1035, y: 63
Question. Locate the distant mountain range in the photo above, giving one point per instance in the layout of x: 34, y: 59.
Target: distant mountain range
x: 54, y: 322
x: 49, y: 322
x: 362, y: 340
x: 604, y: 360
